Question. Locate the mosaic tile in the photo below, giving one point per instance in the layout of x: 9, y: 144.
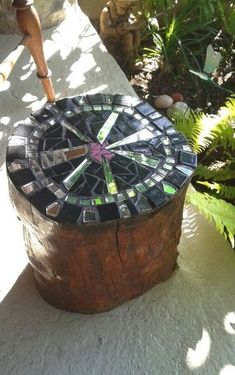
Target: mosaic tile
x: 97, y: 158
x: 124, y: 211
x: 188, y: 158
x: 88, y: 215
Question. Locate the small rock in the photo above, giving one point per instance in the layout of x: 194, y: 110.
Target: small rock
x: 138, y: 66
x: 178, y: 108
x: 177, y: 97
x: 163, y: 102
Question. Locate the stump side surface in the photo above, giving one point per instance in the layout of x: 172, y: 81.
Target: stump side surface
x: 96, y: 268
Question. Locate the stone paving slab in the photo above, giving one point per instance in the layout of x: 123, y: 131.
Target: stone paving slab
x: 185, y: 325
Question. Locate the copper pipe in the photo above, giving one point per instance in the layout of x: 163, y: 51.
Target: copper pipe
x: 29, y: 24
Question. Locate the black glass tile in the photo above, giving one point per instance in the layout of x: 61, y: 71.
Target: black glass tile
x: 155, y: 196
x: 82, y: 190
x: 158, y: 151
x: 91, y: 180
x: 43, y: 198
x: 101, y: 188
x: 108, y: 211
x: 54, y: 132
x: 16, y: 152
x: 96, y: 99
x: 43, y: 114
x: 131, y: 206
x: 62, y: 168
x: 51, y: 143
x: 118, y: 169
x: 144, y: 108
x: 177, y: 138
x: 121, y: 161
x: 121, y: 183
x: 22, y: 177
x: 162, y: 123
x: 66, y: 104
x: 176, y: 178
x: 114, y: 136
x: 125, y: 128
x: 188, y: 158
x: 80, y: 100
x: 23, y: 130
x: 142, y: 171
x: 69, y: 213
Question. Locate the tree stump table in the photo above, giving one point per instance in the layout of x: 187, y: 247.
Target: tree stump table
x: 99, y: 183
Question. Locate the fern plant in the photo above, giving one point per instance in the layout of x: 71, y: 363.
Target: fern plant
x: 213, y: 138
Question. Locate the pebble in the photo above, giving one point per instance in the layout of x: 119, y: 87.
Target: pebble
x: 178, y: 108
x: 138, y: 66
x: 163, y: 102
x: 177, y: 97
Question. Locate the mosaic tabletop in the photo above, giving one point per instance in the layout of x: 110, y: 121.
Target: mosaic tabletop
x: 98, y: 158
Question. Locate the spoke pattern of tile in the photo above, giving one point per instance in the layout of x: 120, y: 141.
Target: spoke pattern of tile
x: 98, y: 158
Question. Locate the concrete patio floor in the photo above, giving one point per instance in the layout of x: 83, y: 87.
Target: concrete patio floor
x: 183, y: 326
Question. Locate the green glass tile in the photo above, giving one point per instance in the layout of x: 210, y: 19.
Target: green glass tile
x: 130, y: 192
x: 109, y: 199
x: 140, y: 187
x: 168, y: 189
x: 110, y: 181
x: 85, y: 202
x: 97, y: 201
x: 71, y: 199
x: 97, y: 107
x: 105, y: 130
x: 73, y: 177
x: 142, y: 135
x: 149, y: 182
x: 139, y: 158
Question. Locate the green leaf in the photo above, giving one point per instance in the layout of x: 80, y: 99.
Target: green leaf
x: 203, y: 76
x: 215, y: 210
x: 214, y: 174
x: 212, y: 60
x: 224, y: 191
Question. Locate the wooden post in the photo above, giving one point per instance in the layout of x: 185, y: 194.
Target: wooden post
x: 29, y: 24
